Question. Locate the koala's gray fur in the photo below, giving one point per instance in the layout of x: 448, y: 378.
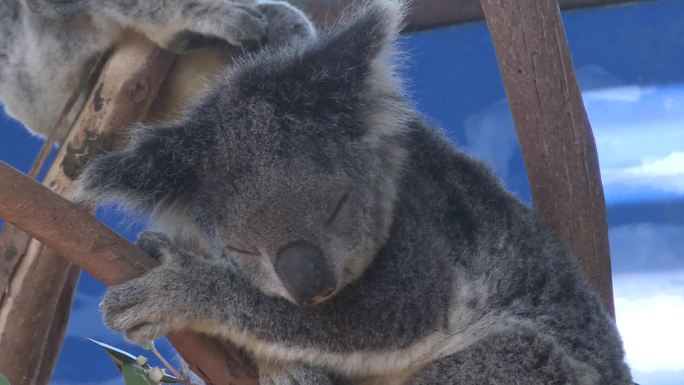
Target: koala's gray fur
x: 440, y: 275
x: 46, y: 45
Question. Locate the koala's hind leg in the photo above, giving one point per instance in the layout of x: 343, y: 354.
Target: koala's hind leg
x: 516, y: 357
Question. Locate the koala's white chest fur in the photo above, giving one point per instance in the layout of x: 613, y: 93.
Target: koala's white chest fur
x: 383, y: 367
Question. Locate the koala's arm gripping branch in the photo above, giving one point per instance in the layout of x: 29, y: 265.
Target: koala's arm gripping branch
x: 72, y: 232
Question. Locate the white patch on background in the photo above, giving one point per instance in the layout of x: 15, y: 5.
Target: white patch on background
x: 665, y: 174
x: 650, y: 317
x: 624, y: 94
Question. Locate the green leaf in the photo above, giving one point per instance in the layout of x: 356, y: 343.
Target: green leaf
x: 127, y: 363
x: 4, y: 380
x: 120, y: 357
x: 135, y: 375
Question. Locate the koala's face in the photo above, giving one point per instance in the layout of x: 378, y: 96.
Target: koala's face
x: 300, y: 216
x: 287, y: 168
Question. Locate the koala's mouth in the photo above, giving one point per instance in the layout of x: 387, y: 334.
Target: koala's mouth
x: 320, y: 298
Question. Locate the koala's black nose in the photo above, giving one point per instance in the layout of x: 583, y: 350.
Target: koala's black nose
x: 305, y: 273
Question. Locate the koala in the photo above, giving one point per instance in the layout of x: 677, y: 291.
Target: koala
x: 304, y: 211
x: 46, y: 46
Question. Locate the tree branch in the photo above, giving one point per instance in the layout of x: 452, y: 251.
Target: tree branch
x: 553, y: 129
x: 426, y: 14
x: 72, y: 232
x: 37, y: 285
x: 31, y: 317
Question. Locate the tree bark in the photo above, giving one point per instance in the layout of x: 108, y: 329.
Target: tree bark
x: 553, y: 129
x: 426, y: 14
x: 125, y: 93
x: 37, y: 285
x: 72, y: 232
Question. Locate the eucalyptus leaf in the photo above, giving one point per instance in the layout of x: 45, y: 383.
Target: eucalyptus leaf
x: 4, y: 380
x: 129, y: 363
x: 120, y: 357
x: 135, y: 375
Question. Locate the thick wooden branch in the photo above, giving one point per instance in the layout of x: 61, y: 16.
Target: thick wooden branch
x: 125, y: 91
x: 35, y: 310
x: 553, y: 128
x: 37, y: 285
x: 426, y: 14
x: 72, y: 232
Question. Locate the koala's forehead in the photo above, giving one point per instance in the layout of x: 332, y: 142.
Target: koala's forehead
x: 256, y: 140
x: 275, y: 196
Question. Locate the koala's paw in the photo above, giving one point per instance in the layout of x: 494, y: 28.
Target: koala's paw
x: 138, y: 310
x: 157, y: 245
x: 239, y: 25
x: 285, y: 22
x: 249, y: 25
x: 160, y: 247
x: 147, y: 307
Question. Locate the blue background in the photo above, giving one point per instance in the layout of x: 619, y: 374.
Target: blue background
x: 630, y: 65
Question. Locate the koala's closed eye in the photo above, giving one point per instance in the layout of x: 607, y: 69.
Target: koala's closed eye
x: 338, y: 208
x: 243, y: 250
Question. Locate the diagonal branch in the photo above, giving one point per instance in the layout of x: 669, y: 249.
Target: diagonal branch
x: 72, y: 232
x: 125, y: 93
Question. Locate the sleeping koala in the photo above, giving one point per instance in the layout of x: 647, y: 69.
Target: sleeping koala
x: 312, y: 218
x: 47, y: 45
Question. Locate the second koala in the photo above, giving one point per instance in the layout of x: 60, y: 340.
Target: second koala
x: 46, y: 46
x: 318, y: 223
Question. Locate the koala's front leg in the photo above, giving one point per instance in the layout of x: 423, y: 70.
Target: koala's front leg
x: 186, y: 289
x: 189, y: 291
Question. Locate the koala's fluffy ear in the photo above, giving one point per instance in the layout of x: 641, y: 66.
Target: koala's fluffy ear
x: 356, y: 44
x: 357, y: 52
x: 347, y: 64
x: 154, y: 169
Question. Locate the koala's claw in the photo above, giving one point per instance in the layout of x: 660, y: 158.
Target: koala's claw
x: 139, y: 321
x: 250, y: 26
x: 268, y: 22
x: 285, y: 22
x: 144, y: 333
x: 240, y: 25
x: 139, y: 308
x: 157, y: 245
x: 163, y: 249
